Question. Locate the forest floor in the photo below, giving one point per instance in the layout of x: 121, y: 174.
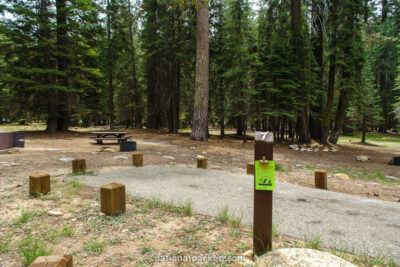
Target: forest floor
x: 157, y: 227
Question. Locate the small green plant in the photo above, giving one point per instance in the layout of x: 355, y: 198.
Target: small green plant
x: 146, y: 250
x: 234, y: 233
x: 4, y: 245
x: 30, y: 249
x: 82, y: 173
x: 95, y: 246
x: 313, y: 243
x: 25, y: 216
x: 280, y: 168
x: 187, y: 207
x: 274, y: 230
x: 115, y: 241
x: 223, y: 214
x: 236, y: 220
x: 242, y: 246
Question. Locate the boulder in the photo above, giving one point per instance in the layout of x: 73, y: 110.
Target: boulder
x: 342, y: 176
x: 110, y: 150
x: 300, y: 257
x: 362, y: 158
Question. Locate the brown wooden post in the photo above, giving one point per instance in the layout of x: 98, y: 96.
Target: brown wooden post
x: 112, y: 198
x: 78, y: 165
x: 53, y: 261
x: 137, y: 159
x: 250, y: 168
x: 39, y: 183
x: 262, y: 222
x: 321, y: 180
x: 202, y: 162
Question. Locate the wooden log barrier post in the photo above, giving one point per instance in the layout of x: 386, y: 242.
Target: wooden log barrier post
x: 250, y: 168
x: 201, y: 162
x: 53, y: 261
x: 78, y: 165
x: 262, y: 222
x: 39, y: 183
x: 137, y: 159
x: 321, y: 179
x: 112, y: 198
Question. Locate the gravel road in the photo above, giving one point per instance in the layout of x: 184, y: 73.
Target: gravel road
x: 356, y: 224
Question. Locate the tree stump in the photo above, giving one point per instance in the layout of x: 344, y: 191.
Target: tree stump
x: 137, y: 159
x: 250, y: 168
x: 202, y: 162
x: 53, y: 261
x: 78, y: 165
x: 39, y: 183
x: 112, y: 197
x: 321, y: 179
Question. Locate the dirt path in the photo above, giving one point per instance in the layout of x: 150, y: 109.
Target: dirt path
x: 43, y: 153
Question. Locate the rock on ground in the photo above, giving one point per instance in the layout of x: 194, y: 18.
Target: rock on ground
x: 301, y: 257
x: 362, y: 158
x: 342, y: 176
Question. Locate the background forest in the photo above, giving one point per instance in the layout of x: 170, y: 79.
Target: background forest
x: 308, y: 69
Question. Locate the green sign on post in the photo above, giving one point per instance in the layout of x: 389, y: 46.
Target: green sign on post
x: 264, y: 175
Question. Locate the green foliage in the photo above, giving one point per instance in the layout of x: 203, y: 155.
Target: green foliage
x: 30, y: 249
x: 95, y: 246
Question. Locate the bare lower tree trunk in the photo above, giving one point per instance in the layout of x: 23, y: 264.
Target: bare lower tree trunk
x: 339, y: 120
x: 200, y: 116
x: 364, y: 126
x: 62, y: 64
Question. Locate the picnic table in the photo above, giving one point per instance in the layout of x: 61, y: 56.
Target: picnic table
x: 119, y: 136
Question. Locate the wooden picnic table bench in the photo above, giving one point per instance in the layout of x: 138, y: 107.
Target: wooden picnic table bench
x: 119, y: 136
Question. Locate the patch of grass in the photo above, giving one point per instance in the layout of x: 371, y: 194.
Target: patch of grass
x: 30, y: 249
x: 146, y: 250
x: 187, y: 207
x: 25, y: 216
x: 4, y: 245
x: 280, y: 168
x: 274, y: 230
x: 193, y: 229
x: 95, y: 246
x: 236, y: 220
x: 372, y: 137
x: 115, y: 241
x: 156, y: 202
x: 313, y: 243
x: 81, y: 173
x: 235, y: 233
x: 223, y: 214
x: 65, y: 231
x: 242, y: 246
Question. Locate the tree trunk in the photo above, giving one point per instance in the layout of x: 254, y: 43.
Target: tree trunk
x: 300, y: 76
x: 62, y: 62
x: 200, y: 116
x: 110, y: 70
x: 326, y: 122
x: 317, y: 41
x: 339, y: 120
x: 364, y: 126
x: 47, y: 77
x: 136, y: 94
